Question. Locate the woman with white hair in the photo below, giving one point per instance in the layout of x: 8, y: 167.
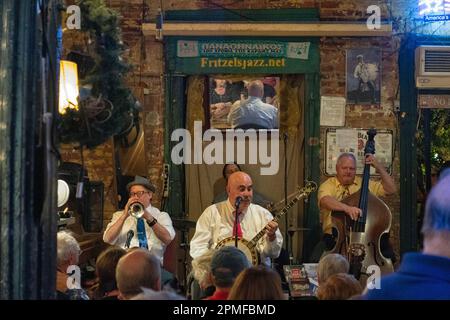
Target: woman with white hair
x: 201, y: 285
x: 68, y: 254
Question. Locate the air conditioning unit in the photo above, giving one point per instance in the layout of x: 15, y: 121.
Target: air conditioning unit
x: 433, y: 67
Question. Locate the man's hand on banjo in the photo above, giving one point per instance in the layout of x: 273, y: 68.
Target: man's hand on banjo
x: 271, y: 228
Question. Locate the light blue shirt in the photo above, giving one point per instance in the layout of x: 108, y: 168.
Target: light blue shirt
x: 254, y: 112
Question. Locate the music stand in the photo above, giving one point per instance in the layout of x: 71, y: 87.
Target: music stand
x: 286, y: 235
x: 183, y: 225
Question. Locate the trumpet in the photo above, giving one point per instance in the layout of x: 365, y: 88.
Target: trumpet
x: 136, y: 210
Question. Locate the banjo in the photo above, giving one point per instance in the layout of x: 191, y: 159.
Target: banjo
x: 249, y: 247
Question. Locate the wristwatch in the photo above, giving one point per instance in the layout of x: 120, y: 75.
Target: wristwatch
x: 152, y: 223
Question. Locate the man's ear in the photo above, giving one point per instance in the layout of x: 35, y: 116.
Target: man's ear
x: 73, y: 259
x: 211, y: 278
x: 158, y: 285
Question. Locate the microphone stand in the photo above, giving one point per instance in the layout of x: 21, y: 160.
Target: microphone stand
x: 236, y: 221
x: 130, y: 235
x: 286, y: 234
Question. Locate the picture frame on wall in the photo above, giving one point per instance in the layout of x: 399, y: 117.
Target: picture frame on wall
x: 363, y: 76
x: 230, y: 106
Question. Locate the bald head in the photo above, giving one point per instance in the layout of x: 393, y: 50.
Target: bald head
x: 256, y: 89
x: 137, y: 269
x: 436, y: 224
x: 240, y: 185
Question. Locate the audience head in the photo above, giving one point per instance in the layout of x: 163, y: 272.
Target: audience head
x: 68, y: 249
x: 256, y: 89
x: 444, y: 171
x: 105, y: 268
x: 257, y: 283
x: 340, y: 286
x: 136, y: 270
x: 331, y: 264
x: 201, y: 268
x: 226, y: 264
x: 436, y: 224
x: 149, y: 294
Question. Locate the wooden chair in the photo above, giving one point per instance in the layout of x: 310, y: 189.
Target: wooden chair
x: 170, y: 257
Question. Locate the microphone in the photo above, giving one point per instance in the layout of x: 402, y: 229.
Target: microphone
x: 237, y: 202
x: 130, y: 235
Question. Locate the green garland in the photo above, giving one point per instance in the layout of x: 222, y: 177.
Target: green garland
x: 106, y: 79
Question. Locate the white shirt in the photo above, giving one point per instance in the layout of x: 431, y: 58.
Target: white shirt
x: 361, y: 72
x: 155, y: 246
x: 254, y: 112
x: 213, y: 226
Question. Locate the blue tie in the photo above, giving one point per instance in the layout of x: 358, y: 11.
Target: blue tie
x: 142, y: 237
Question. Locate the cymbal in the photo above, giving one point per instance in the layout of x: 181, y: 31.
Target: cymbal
x: 295, y: 229
x: 183, y: 223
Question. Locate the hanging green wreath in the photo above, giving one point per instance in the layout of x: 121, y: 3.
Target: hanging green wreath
x: 111, y: 109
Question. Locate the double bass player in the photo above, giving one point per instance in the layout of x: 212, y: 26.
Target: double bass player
x: 345, y: 183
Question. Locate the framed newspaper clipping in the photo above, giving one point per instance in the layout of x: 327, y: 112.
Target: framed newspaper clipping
x: 353, y: 141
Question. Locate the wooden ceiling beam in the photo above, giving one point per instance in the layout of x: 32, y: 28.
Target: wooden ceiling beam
x: 268, y: 29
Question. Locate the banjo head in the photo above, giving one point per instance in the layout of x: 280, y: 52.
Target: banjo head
x: 251, y: 254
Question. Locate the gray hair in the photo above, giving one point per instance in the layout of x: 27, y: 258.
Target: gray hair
x: 437, y: 209
x: 149, y: 294
x: 256, y: 88
x: 346, y: 155
x: 67, y: 246
x: 331, y: 264
x: 201, y: 267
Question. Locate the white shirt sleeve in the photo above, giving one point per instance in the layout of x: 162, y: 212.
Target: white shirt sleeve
x: 275, y: 119
x: 357, y: 71
x: 272, y: 249
x: 115, y: 217
x: 201, y: 241
x: 165, y: 220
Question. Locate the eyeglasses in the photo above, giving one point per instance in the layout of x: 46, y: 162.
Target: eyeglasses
x: 138, y: 194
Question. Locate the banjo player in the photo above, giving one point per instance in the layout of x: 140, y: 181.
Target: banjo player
x: 217, y: 223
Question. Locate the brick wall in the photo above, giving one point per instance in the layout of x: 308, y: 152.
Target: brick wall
x: 146, y: 79
x: 332, y: 69
x: 99, y: 163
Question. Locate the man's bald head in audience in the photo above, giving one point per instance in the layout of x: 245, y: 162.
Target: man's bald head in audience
x: 137, y: 269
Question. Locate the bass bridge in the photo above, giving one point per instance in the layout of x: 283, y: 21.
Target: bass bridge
x: 356, y: 254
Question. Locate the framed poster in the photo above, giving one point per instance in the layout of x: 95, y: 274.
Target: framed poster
x: 332, y: 111
x: 363, y: 76
x: 230, y: 106
x: 335, y: 146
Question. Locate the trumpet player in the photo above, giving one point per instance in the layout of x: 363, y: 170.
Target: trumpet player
x: 140, y: 224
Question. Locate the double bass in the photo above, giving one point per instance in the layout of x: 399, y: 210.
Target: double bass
x: 359, y: 240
